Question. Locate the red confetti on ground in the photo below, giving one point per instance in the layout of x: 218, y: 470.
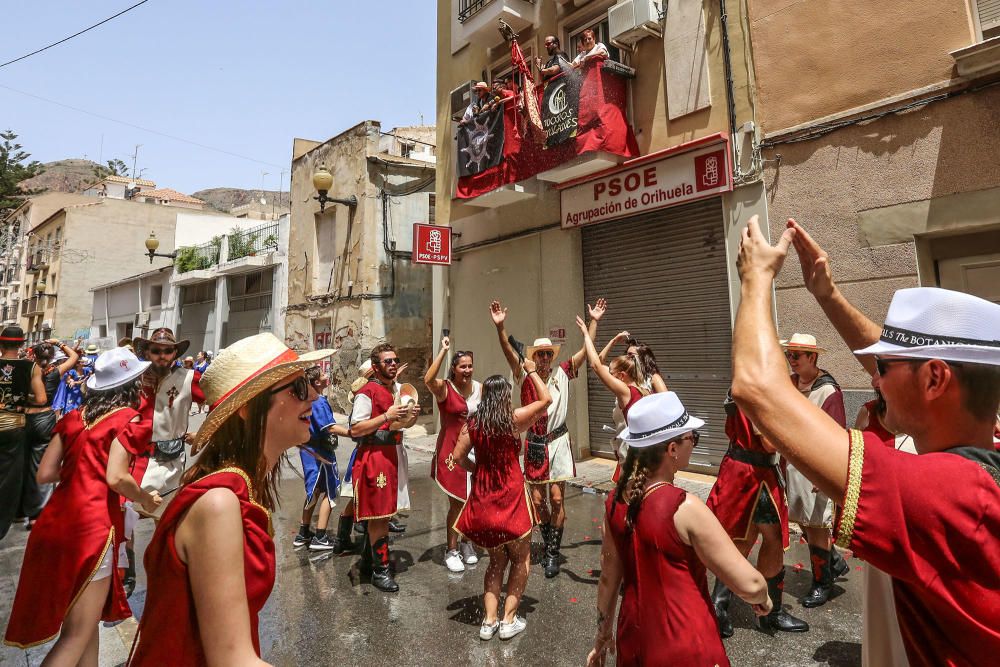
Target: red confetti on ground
x: 574, y: 600
x: 590, y: 572
x: 586, y: 537
x: 797, y: 567
x: 858, y: 567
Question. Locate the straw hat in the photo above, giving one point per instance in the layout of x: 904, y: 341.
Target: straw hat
x: 114, y: 368
x: 934, y: 323
x: 482, y: 85
x: 802, y: 343
x: 658, y: 418
x: 92, y: 349
x: 242, y: 371
x: 542, y: 344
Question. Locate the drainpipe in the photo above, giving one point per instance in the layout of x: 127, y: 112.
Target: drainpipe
x: 730, y: 91
x: 107, y: 314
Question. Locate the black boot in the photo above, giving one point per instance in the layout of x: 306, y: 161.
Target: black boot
x: 128, y: 582
x: 343, y: 542
x: 395, y: 526
x: 838, y: 564
x: 381, y: 576
x: 720, y: 598
x: 822, y: 584
x: 361, y: 528
x: 552, y: 553
x: 780, y: 620
x: 366, y: 556
x: 546, y: 530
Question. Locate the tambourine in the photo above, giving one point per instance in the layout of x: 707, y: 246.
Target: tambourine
x: 407, y: 395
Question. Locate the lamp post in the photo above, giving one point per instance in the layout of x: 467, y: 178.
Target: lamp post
x: 323, y: 181
x: 40, y: 289
x: 152, y: 243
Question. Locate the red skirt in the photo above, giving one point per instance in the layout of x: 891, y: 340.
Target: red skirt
x: 375, y: 478
x: 734, y: 497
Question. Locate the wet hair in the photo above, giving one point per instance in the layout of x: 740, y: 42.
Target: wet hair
x: 457, y: 359
x: 495, y: 416
x: 43, y: 353
x: 99, y: 402
x: 632, y: 483
x: 646, y: 357
x: 378, y: 350
x: 628, y: 364
x: 239, y: 443
x: 980, y: 387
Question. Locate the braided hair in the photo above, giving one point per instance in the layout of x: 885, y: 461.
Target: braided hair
x: 632, y: 483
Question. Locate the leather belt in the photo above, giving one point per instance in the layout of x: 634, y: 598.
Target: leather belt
x: 10, y: 421
x: 759, y: 459
x: 382, y: 437
x: 548, y: 437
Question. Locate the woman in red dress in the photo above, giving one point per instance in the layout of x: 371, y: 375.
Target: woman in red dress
x: 457, y: 397
x: 498, y: 515
x: 69, y: 578
x: 660, y: 539
x: 210, y: 564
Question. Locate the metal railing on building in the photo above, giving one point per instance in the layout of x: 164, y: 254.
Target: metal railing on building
x: 194, y: 258
x: 469, y: 8
x: 253, y: 241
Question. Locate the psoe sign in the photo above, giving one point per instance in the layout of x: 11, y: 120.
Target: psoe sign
x: 649, y: 184
x: 431, y: 244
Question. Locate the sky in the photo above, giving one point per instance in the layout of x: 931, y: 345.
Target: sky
x: 244, y: 78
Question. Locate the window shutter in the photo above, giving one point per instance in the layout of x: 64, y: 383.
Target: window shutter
x: 989, y: 14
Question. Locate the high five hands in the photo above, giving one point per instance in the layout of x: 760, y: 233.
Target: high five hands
x: 758, y: 258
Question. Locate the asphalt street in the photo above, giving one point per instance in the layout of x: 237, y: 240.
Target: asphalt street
x: 322, y: 612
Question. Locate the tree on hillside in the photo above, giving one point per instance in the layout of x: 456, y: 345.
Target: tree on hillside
x: 14, y: 168
x: 113, y: 168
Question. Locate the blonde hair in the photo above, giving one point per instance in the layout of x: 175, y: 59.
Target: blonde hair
x: 628, y: 364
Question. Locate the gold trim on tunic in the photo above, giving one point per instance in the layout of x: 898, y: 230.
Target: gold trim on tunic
x: 853, y: 492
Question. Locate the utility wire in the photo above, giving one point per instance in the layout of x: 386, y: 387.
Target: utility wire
x: 143, y: 129
x: 66, y: 39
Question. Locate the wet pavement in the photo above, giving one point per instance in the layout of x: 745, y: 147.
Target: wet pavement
x: 322, y: 612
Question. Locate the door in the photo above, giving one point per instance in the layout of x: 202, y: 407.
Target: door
x: 978, y: 275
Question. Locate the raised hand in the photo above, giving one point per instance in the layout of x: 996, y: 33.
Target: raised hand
x: 498, y: 313
x: 445, y: 343
x: 529, y: 366
x: 757, y: 257
x: 597, y: 312
x: 583, y: 326
x: 814, y: 261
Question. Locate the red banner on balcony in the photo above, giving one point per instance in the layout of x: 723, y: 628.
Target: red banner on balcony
x: 602, y: 126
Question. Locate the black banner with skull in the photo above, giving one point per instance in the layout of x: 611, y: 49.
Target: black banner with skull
x: 480, y: 142
x: 561, y: 108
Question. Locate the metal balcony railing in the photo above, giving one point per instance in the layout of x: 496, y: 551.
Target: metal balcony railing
x: 250, y: 242
x: 194, y: 258
x: 469, y: 8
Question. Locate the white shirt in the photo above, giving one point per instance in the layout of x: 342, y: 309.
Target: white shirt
x: 599, y: 49
x: 361, y: 409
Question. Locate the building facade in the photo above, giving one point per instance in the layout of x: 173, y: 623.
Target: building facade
x: 351, y: 281
x: 870, y: 123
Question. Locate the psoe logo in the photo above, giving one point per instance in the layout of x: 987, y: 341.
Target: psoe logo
x: 710, y: 171
x: 434, y: 241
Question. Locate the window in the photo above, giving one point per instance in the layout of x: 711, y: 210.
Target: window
x: 987, y: 17
x: 155, y: 295
x: 431, y: 208
x: 198, y: 293
x: 601, y: 34
x: 102, y: 331
x: 251, y: 291
x: 504, y: 69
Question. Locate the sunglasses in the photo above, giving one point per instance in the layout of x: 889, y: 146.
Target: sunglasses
x: 390, y: 361
x: 299, y: 386
x: 793, y: 356
x: 160, y: 350
x: 546, y: 354
x: 695, y: 437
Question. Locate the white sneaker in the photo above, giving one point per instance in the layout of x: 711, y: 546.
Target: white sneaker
x: 512, y: 629
x: 453, y: 561
x: 486, y: 632
x: 469, y: 554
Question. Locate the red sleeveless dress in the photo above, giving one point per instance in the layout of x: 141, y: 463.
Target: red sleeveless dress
x: 451, y: 477
x: 635, y: 395
x: 169, y: 633
x: 82, y: 520
x: 498, y: 510
x: 375, y: 475
x: 666, y: 617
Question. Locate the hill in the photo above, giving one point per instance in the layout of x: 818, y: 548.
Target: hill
x: 224, y: 199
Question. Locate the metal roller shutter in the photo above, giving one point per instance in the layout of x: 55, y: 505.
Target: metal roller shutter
x: 664, y: 276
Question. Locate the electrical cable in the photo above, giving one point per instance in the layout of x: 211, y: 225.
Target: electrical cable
x: 77, y: 34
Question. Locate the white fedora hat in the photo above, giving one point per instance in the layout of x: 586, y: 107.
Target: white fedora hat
x: 934, y: 323
x: 542, y: 344
x: 243, y: 370
x: 114, y: 368
x: 802, y: 342
x: 658, y: 418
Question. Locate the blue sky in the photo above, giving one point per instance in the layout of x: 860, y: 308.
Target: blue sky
x: 243, y: 77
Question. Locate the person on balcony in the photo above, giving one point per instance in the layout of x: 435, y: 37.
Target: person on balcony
x: 478, y: 105
x: 591, y: 50
x: 558, y: 60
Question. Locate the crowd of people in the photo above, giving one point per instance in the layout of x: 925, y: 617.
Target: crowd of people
x: 913, y: 489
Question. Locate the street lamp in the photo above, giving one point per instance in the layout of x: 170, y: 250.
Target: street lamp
x: 152, y: 243
x: 40, y: 289
x: 323, y: 181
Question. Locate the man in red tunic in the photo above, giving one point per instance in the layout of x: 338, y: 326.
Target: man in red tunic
x: 376, y: 425
x: 748, y: 498
x: 929, y: 521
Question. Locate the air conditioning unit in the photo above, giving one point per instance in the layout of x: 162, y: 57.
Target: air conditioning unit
x: 47, y: 324
x: 142, y: 319
x: 461, y: 98
x: 631, y: 20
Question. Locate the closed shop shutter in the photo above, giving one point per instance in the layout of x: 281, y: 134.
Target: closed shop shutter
x: 197, y: 315
x: 665, y: 278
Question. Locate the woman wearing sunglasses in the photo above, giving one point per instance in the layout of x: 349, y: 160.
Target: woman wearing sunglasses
x: 660, y: 539
x: 457, y: 398
x: 210, y: 565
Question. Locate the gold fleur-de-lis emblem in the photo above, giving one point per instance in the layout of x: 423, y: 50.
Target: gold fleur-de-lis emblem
x: 380, y: 481
x: 450, y: 462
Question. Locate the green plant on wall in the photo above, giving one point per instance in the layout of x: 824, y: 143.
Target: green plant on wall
x: 195, y: 258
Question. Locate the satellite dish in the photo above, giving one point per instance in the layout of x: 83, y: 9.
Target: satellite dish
x: 263, y: 201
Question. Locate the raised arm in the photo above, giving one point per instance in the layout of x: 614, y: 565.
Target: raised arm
x: 853, y: 326
x: 624, y: 335
x: 499, y: 315
x: 612, y: 573
x: 527, y: 415
x: 71, y: 356
x: 617, y: 387
x: 760, y: 379
x: 596, y: 313
x: 433, y: 383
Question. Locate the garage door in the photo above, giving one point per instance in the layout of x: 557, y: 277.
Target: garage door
x: 664, y: 276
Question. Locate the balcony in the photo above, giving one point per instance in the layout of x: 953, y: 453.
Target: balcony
x: 33, y: 306
x: 478, y: 19
x: 589, y: 132
x: 38, y: 261
x: 250, y: 249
